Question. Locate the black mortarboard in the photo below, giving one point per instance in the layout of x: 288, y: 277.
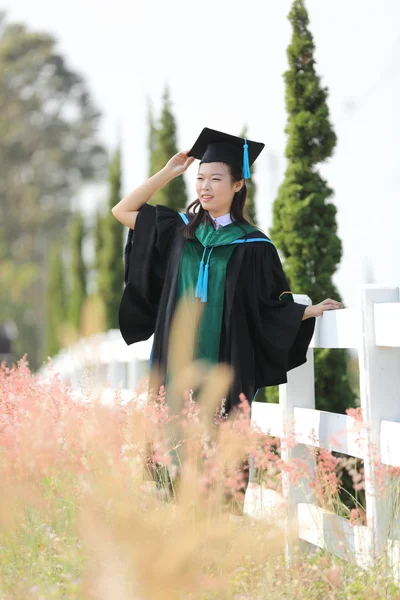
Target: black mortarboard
x: 216, y: 146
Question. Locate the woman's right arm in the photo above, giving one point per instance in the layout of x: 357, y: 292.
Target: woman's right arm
x: 127, y: 209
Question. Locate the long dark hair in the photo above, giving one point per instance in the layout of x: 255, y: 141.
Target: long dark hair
x: 197, y: 215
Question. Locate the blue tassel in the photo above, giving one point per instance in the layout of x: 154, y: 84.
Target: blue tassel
x: 204, y: 291
x: 246, y: 164
x: 199, y: 286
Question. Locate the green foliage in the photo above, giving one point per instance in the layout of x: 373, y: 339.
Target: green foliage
x: 152, y: 139
x: 17, y: 283
x: 163, y: 145
x: 49, y: 147
x: 311, y: 138
x: 77, y: 269
x: 98, y: 239
x: 109, y: 249
x: 304, y: 221
x: 304, y: 229
x: 250, y: 208
x: 250, y: 202
x: 333, y: 391
x: 48, y: 129
x: 271, y: 394
x: 55, y: 301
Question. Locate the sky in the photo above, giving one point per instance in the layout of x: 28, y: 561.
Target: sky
x: 223, y: 61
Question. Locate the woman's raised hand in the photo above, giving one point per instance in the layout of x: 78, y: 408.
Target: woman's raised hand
x: 179, y: 163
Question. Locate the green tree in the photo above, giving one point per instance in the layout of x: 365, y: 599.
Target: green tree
x: 49, y: 148
x: 55, y: 300
x: 111, y: 269
x: 98, y: 239
x: 77, y: 272
x: 16, y: 284
x: 151, y: 138
x: 163, y: 140
x: 304, y: 221
x: 250, y: 208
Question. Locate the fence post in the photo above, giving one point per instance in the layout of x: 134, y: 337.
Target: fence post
x: 380, y: 400
x: 299, y: 391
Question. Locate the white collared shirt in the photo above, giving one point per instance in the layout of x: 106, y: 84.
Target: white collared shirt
x: 222, y: 221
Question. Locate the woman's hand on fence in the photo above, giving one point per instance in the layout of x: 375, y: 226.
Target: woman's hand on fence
x: 179, y: 163
x: 317, y: 310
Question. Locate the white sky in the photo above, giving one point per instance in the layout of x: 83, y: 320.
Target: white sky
x: 223, y: 61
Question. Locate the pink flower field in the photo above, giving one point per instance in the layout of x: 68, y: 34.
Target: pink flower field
x: 131, y: 501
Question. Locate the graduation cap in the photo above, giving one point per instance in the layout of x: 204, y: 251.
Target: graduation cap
x: 216, y: 146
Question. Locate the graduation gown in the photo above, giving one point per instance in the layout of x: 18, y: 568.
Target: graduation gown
x: 262, y: 335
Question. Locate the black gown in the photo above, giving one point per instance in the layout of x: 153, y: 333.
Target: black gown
x: 262, y: 336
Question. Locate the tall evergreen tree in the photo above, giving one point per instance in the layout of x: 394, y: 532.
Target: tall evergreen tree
x: 304, y: 222
x: 77, y: 292
x: 98, y: 239
x: 151, y: 137
x: 110, y: 265
x: 55, y: 301
x: 165, y: 146
x: 250, y: 210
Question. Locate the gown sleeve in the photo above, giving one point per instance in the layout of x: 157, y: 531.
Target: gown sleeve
x: 280, y: 335
x: 146, y: 258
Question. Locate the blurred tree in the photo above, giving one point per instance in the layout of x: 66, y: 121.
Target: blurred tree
x: 55, y: 300
x: 93, y: 316
x: 162, y: 142
x: 110, y: 274
x: 304, y: 222
x: 98, y: 239
x: 250, y: 209
x: 152, y: 137
x: 16, y: 284
x: 48, y: 149
x: 77, y: 272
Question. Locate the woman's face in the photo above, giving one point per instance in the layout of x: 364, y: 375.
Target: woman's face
x: 215, y: 188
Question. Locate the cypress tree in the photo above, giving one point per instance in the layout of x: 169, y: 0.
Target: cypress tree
x: 163, y: 143
x: 93, y: 311
x: 151, y: 138
x: 110, y: 250
x: 304, y: 221
x: 55, y: 301
x: 250, y: 208
x: 98, y: 239
x: 77, y: 272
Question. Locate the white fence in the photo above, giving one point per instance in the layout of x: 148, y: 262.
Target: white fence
x: 373, y: 329
x: 104, y: 363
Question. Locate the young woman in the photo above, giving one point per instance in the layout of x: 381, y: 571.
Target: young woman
x: 210, y: 251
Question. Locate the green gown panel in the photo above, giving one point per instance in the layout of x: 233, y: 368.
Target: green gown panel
x: 216, y: 248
